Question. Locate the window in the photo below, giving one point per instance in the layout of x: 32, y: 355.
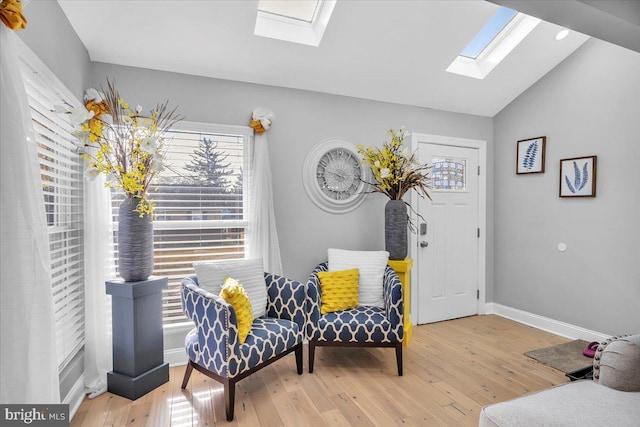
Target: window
x: 201, y: 204
x: 302, y: 10
x: 449, y: 174
x: 61, y: 172
x: 302, y: 21
x: 489, y: 32
x: 500, y: 35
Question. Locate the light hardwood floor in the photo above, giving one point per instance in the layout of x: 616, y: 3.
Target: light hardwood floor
x: 451, y: 370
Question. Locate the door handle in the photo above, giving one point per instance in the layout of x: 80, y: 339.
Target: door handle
x: 424, y: 244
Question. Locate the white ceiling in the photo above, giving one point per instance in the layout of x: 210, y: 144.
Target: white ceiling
x: 393, y: 51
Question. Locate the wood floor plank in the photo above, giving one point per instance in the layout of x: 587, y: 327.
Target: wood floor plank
x: 180, y: 403
x: 383, y: 397
x: 422, y: 408
x: 461, y: 403
x: 138, y: 415
x: 308, y: 413
x: 334, y: 418
x: 363, y: 398
x: 350, y: 410
x: 97, y: 410
x: 451, y: 369
x: 318, y: 392
x: 246, y: 391
x: 203, y: 399
x: 263, y: 403
x: 160, y: 411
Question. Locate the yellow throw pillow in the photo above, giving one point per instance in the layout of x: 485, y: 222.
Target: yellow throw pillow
x: 338, y: 290
x: 233, y: 292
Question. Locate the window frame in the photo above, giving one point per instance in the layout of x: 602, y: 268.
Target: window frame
x: 295, y: 30
x: 171, y: 296
x: 497, y: 50
x: 44, y: 90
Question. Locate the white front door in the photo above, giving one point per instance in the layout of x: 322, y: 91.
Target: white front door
x: 448, y: 245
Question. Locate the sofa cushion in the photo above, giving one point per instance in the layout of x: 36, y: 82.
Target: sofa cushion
x: 249, y: 272
x: 362, y: 324
x: 569, y: 405
x: 268, y: 338
x: 620, y: 364
x: 338, y: 290
x: 371, y: 265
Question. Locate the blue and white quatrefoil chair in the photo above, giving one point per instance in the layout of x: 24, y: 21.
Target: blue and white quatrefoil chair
x: 374, y: 320
x: 276, y: 327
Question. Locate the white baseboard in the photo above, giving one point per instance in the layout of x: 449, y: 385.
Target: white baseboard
x: 176, y: 356
x: 546, y: 324
x: 75, y: 397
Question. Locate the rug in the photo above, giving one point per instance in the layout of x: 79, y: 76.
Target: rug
x: 565, y: 357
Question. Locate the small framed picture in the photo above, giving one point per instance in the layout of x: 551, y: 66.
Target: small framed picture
x: 578, y: 177
x: 530, y: 155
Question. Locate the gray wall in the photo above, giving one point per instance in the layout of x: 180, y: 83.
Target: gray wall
x: 50, y: 35
x: 302, y: 119
x: 587, y: 105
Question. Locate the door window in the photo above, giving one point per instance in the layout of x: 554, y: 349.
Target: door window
x: 449, y: 174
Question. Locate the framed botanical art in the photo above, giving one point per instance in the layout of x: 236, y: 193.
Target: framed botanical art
x: 530, y: 155
x: 578, y: 177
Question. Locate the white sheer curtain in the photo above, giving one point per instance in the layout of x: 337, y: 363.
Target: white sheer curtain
x: 98, y: 267
x: 263, y: 236
x: 28, y: 362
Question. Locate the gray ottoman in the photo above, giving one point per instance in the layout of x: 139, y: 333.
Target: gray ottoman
x: 611, y: 399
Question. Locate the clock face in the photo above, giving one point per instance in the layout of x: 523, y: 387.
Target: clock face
x: 334, y: 176
x: 338, y: 174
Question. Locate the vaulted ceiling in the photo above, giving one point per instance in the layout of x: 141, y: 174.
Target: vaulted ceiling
x: 393, y: 51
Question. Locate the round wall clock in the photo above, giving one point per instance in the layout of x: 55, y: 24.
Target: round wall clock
x: 333, y: 175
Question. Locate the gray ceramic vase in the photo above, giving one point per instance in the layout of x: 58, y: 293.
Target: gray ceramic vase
x: 135, y: 242
x: 396, y: 229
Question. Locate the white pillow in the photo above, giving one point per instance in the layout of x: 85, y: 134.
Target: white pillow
x: 249, y: 272
x: 371, y: 265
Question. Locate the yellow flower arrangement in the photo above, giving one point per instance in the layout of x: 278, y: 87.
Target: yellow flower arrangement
x: 128, y: 146
x: 396, y: 169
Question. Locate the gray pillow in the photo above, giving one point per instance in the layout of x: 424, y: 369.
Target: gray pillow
x: 620, y: 364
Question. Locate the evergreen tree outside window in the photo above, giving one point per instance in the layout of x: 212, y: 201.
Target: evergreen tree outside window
x: 208, y: 165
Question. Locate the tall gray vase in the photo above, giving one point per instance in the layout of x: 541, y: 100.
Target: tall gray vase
x: 135, y: 242
x: 395, y: 229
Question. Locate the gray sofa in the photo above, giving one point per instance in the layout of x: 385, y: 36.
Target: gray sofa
x: 611, y: 399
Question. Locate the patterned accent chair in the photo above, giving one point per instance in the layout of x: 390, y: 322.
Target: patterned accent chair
x: 213, y: 347
x: 363, y: 326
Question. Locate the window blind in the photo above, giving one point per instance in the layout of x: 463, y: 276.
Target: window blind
x: 201, y: 204
x: 61, y: 172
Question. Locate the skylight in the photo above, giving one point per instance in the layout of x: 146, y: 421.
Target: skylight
x: 300, y: 21
x: 490, y: 30
x: 500, y: 35
x: 302, y: 10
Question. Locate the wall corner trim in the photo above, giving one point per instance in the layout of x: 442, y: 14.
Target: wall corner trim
x: 544, y: 323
